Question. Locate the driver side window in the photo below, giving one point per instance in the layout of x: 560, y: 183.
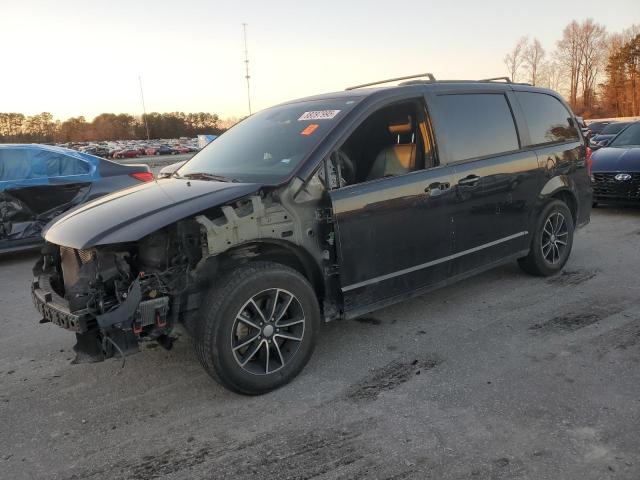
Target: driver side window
x: 392, y: 141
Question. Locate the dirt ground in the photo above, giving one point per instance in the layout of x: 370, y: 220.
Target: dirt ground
x: 502, y: 376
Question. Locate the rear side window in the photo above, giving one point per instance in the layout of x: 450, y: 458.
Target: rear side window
x: 15, y: 165
x: 548, y: 119
x: 62, y: 166
x: 475, y: 125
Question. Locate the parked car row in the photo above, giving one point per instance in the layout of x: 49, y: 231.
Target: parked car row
x: 135, y: 148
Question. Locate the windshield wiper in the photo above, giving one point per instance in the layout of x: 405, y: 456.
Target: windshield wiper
x: 208, y: 176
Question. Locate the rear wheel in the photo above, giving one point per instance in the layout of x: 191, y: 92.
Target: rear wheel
x: 257, y: 327
x: 551, y: 242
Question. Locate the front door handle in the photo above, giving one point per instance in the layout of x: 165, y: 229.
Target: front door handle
x: 469, y: 181
x: 437, y: 188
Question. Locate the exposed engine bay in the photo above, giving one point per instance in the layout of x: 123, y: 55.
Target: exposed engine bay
x: 115, y: 297
x: 123, y: 294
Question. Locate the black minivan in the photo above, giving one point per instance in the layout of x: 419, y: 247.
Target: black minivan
x: 323, y: 208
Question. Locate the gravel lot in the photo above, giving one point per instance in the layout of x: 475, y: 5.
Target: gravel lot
x: 502, y: 376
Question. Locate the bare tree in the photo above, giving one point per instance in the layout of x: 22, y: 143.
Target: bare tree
x: 551, y: 75
x: 593, y: 55
x: 533, y: 57
x: 570, y: 58
x: 515, y: 58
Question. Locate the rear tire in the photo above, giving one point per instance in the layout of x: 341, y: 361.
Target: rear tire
x: 551, y: 242
x: 257, y: 327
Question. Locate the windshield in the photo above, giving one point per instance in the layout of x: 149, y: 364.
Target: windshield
x: 597, y: 127
x: 629, y: 137
x: 613, y: 128
x: 268, y: 146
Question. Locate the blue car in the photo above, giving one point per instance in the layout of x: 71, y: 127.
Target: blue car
x: 616, y: 168
x: 39, y: 182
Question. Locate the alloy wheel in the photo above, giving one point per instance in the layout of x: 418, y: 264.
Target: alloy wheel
x: 267, y: 331
x: 554, y: 238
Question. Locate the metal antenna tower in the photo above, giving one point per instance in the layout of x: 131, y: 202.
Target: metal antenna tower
x: 144, y: 109
x: 246, y: 65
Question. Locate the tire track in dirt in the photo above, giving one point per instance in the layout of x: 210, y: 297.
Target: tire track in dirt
x: 572, y: 277
x: 389, y: 377
x: 626, y: 337
x: 572, y: 321
x: 301, y: 454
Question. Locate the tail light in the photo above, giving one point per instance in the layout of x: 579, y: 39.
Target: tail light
x: 142, y: 176
x: 589, y: 161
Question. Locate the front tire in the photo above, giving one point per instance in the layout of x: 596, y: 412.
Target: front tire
x: 257, y: 328
x: 551, y: 242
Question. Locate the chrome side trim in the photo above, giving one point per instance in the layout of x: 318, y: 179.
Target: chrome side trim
x: 432, y: 263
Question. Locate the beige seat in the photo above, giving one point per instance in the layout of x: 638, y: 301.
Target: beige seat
x: 399, y: 158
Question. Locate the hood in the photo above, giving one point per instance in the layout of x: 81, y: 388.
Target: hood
x: 611, y: 159
x: 130, y: 214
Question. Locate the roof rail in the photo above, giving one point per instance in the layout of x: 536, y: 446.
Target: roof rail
x: 428, y: 75
x: 495, y: 79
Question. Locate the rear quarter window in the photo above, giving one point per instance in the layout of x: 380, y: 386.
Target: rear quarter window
x: 475, y: 125
x: 548, y: 119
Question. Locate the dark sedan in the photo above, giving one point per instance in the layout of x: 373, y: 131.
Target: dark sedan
x: 616, y: 168
x: 165, y: 150
x: 39, y: 182
x: 596, y: 127
x: 607, y: 134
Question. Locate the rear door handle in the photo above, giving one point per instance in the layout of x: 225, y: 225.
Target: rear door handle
x: 469, y: 181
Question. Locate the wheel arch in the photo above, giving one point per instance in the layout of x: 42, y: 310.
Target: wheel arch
x: 569, y: 199
x: 277, y: 251
x: 559, y: 188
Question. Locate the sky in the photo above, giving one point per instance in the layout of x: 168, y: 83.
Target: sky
x: 83, y: 57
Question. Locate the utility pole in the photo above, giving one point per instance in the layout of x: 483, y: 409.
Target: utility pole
x: 246, y: 65
x: 144, y: 109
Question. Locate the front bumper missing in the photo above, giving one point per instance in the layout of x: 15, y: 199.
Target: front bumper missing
x: 55, y: 309
x: 98, y: 335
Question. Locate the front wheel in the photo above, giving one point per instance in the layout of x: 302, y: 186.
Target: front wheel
x: 551, y: 242
x: 257, y: 328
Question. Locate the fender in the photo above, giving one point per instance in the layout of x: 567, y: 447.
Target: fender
x: 555, y: 184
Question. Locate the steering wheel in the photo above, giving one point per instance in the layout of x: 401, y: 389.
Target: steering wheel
x: 347, y: 168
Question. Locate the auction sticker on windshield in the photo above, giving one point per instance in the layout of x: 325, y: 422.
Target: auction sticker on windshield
x: 312, y: 127
x: 319, y: 115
